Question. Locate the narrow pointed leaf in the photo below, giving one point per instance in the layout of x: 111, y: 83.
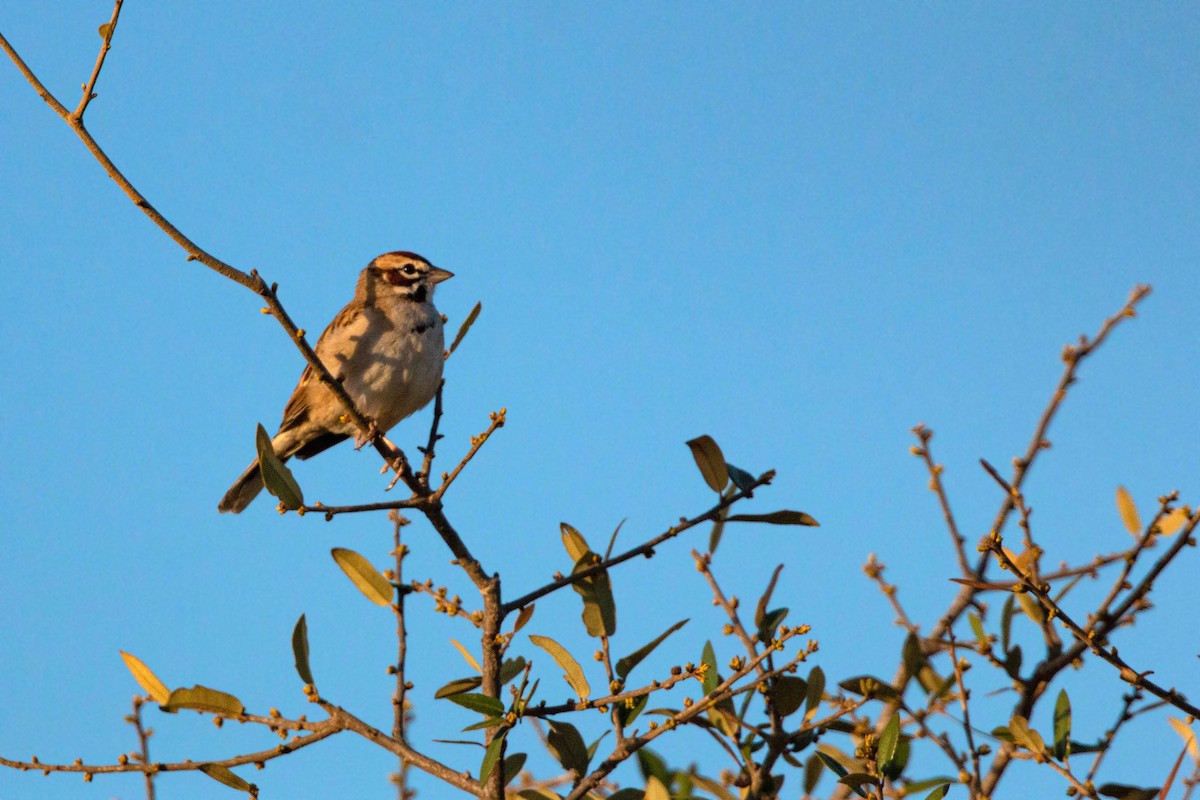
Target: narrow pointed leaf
x: 599, y: 606
x: 511, y: 668
x: 488, y: 722
x: 629, y: 713
x: 491, y: 755
x: 458, y: 686
x: 369, y: 581
x: 612, y: 540
x: 1062, y: 726
x: 777, y: 518
x: 594, y: 746
x: 201, y: 698
x: 567, y: 747
x: 857, y: 780
x: 466, y: 654
x: 1189, y: 737
x: 939, y: 792
x: 887, y: 742
x: 1123, y: 792
x: 491, y: 706
x: 977, y: 628
x: 771, y: 623
x: 226, y: 776
x: 714, y: 536
x: 626, y: 664
x: 1128, y: 511
x: 300, y: 650
x: 870, y: 686
x: 574, y: 673
x: 812, y: 772
x: 1006, y: 615
x: 710, y: 461
x: 466, y: 326
x: 276, y: 476
x: 760, y: 611
x: 743, y: 480
x: 157, y: 690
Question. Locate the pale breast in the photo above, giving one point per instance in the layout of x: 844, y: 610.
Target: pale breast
x: 390, y: 363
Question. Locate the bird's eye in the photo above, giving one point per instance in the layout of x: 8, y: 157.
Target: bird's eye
x: 409, y: 269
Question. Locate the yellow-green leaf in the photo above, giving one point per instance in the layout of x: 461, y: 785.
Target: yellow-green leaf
x: 467, y: 655
x: 369, y: 581
x: 300, y: 650
x: 710, y: 461
x: 491, y: 756
x: 599, y: 607
x: 226, y: 776
x: 577, y: 546
x: 1129, y: 512
x: 466, y: 326
x: 1172, y: 521
x: 276, y: 476
x: 202, y: 698
x: 777, y: 518
x: 146, y: 679
x: 1062, y: 725
x: 655, y: 790
x: 1189, y: 737
x: 458, y: 686
x: 574, y: 673
x: 488, y: 706
x: 887, y: 742
x: 1031, y: 607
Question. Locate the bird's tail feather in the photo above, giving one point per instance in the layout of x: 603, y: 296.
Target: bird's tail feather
x: 243, y: 491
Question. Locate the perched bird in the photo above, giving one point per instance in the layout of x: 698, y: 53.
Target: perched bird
x: 386, y: 347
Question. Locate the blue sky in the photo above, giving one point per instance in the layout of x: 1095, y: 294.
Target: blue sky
x: 801, y: 229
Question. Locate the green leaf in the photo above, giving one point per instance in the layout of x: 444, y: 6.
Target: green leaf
x: 888, y: 740
x: 201, y: 698
x: 466, y: 326
x: 577, y: 546
x: 1012, y: 664
x: 599, y: 607
x: 1025, y: 736
x: 708, y: 657
x: 512, y: 767
x: 276, y: 476
x: 491, y: 755
x: 743, y: 480
x: 833, y: 764
x: 777, y: 518
x: 1123, y: 792
x: 760, y: 611
x: 157, y: 690
x: 457, y: 686
x: 771, y: 623
x: 927, y: 783
x: 710, y: 461
x: 490, y: 706
x: 369, y: 581
x: 511, y: 668
x: 628, y: 793
x: 594, y: 746
x: 812, y: 772
x: 977, y: 629
x: 899, y: 760
x: 939, y: 792
x: 630, y: 713
x: 857, y: 780
x: 870, y: 686
x: 300, y: 650
x: 567, y: 747
x: 1062, y: 726
x: 722, y: 714
x: 652, y: 766
x: 626, y: 664
x: 815, y: 693
x: 488, y: 722
x: 226, y: 776
x: 787, y: 694
x: 574, y: 673
x: 1006, y: 615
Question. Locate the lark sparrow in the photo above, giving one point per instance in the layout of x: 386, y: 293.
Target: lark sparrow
x: 386, y: 347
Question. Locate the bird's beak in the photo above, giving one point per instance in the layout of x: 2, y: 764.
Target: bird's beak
x: 437, y: 275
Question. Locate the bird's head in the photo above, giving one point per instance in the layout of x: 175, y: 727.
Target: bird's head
x: 400, y: 274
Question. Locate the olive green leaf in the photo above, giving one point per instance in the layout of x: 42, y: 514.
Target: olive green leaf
x: 599, y: 606
x: 710, y: 461
x: 300, y: 650
x: 1062, y: 726
x: 157, y: 690
x: 492, y: 755
x: 574, y: 673
x: 226, y: 776
x: 512, y: 766
x: 626, y: 664
x: 787, y: 694
x: 567, y: 747
x: 466, y: 326
x: 777, y: 518
x: 483, y: 704
x: 369, y: 581
x: 201, y: 698
x: 577, y: 546
x: 276, y: 476
x: 1123, y: 792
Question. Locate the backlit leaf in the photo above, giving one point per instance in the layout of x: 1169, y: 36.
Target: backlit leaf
x: 1189, y: 737
x: 888, y: 740
x: 157, y: 690
x: 599, y: 607
x: 939, y: 792
x: 655, y: 790
x: 777, y: 518
x: 626, y: 664
x: 977, y: 628
x: 466, y: 654
x: 466, y: 326
x: 201, y: 698
x: 523, y: 617
x: 1062, y: 726
x: 1172, y: 521
x: 369, y: 581
x: 577, y: 546
x: 574, y: 673
x: 105, y: 29
x: 226, y: 776
x: 300, y: 650
x: 276, y: 476
x: 491, y: 756
x: 1128, y: 511
x: 710, y: 461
